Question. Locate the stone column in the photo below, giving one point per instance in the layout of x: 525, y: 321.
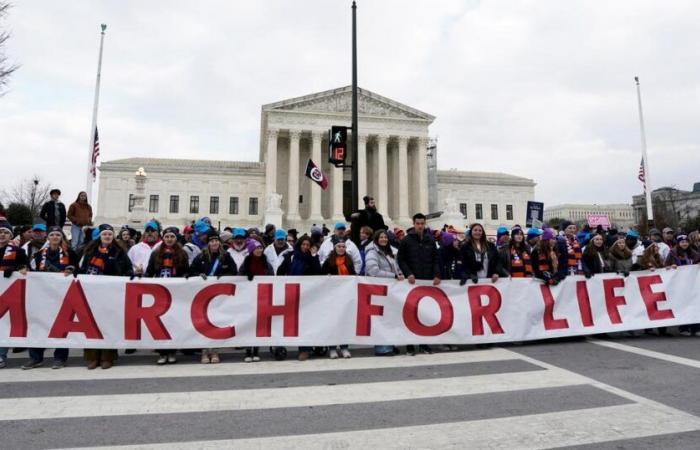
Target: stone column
x: 422, y: 175
x: 361, y: 169
x: 293, y: 189
x: 337, y: 192
x: 315, y: 215
x: 403, y: 180
x: 271, y: 161
x: 382, y: 194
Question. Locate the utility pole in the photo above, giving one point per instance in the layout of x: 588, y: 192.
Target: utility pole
x: 355, y: 132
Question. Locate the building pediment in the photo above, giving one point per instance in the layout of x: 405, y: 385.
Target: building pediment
x: 340, y: 101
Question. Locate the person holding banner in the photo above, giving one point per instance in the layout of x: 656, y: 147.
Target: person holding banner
x: 515, y: 256
x: 573, y: 248
x: 682, y: 255
x: 214, y: 261
x: 56, y: 257
x: 380, y: 262
x: 12, y: 259
x: 621, y: 258
x: 338, y: 263
x: 168, y: 260
x: 104, y: 256
x: 595, y: 257
x: 255, y: 264
x: 480, y: 258
x: 548, y: 266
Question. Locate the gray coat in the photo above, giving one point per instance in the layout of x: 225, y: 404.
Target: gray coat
x: 377, y: 264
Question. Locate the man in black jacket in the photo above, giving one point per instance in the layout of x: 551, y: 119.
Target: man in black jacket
x: 418, y: 259
x: 369, y: 217
x: 54, y: 212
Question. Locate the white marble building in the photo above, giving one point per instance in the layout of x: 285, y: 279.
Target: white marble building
x: 393, y: 168
x: 620, y: 214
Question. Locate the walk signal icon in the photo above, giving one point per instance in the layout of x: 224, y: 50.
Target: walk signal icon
x: 337, y: 145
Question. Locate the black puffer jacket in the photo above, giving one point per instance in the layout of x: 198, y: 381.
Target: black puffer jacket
x: 418, y: 256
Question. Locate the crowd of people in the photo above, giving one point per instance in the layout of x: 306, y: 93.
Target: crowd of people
x: 368, y: 247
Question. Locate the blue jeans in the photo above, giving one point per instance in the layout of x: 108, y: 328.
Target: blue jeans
x: 37, y: 354
x: 3, y: 352
x: 383, y: 349
x: 77, y: 236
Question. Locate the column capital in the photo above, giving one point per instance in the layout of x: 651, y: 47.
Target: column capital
x: 403, y: 140
x: 295, y: 134
x: 383, y: 138
x: 363, y: 138
x: 318, y: 135
x: 272, y: 132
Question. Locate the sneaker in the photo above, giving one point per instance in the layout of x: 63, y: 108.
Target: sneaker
x: 411, y: 350
x: 685, y: 333
x: 162, y: 360
x: 346, y: 353
x: 172, y: 359
x: 248, y: 359
x: 58, y: 364
x: 425, y: 349
x: 333, y: 354
x: 256, y: 358
x: 215, y: 358
x: 2, y: 363
x: 32, y: 364
x: 205, y: 358
x: 303, y: 356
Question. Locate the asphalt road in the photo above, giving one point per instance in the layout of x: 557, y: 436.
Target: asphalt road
x: 613, y: 393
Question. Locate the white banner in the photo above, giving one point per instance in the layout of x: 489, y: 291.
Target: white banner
x: 50, y: 310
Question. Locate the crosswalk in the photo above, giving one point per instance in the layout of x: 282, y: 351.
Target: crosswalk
x: 478, y: 398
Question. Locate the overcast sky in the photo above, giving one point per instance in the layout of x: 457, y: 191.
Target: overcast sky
x: 542, y: 89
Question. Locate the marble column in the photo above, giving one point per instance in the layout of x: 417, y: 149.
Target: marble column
x: 421, y: 151
x: 337, y: 195
x: 403, y: 180
x: 271, y: 161
x: 361, y: 169
x: 315, y: 215
x: 293, y: 189
x: 382, y: 194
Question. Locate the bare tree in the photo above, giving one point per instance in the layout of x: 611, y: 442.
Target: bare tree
x: 32, y: 193
x: 6, y: 68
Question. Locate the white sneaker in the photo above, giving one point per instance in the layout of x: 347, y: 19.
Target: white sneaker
x: 171, y: 359
x: 685, y: 333
x: 346, y: 353
x: 162, y: 360
x: 248, y: 359
x: 256, y: 358
x: 333, y: 354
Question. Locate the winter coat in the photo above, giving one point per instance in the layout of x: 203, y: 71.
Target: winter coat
x: 675, y: 259
x: 117, y: 263
x: 378, y: 264
x: 472, y: 262
x: 369, y: 218
x: 620, y: 263
x: 592, y: 263
x: 153, y: 270
x: 418, y: 256
x: 329, y: 269
x: 450, y: 262
x: 52, y: 263
x: 204, y: 263
x: 275, y: 258
x: 299, y: 264
x: 80, y: 214
x: 559, y: 275
x: 48, y: 214
x: 246, y: 269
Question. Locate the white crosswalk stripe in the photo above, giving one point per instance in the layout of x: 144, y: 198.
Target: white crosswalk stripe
x: 535, y: 405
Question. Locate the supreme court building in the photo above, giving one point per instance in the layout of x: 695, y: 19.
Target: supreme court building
x: 393, y: 166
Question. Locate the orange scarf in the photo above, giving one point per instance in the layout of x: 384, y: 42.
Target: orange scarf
x: 340, y: 263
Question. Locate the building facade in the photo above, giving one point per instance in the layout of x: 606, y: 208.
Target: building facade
x: 675, y: 205
x: 393, y: 162
x: 620, y: 215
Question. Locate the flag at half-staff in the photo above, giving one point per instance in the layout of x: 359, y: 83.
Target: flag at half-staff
x: 315, y: 174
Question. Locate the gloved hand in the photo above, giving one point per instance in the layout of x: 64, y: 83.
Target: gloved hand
x: 131, y: 278
x: 475, y: 279
x: 75, y: 274
x: 553, y: 281
x: 250, y: 277
x: 588, y: 275
x: 187, y: 276
x: 546, y: 276
x: 204, y: 276
x: 7, y: 273
x: 218, y: 277
x: 625, y: 274
x: 463, y: 281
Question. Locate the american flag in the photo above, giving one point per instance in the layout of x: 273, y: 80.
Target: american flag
x: 95, y: 154
x: 641, y: 176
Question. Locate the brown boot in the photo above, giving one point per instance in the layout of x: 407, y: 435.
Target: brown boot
x: 92, y: 365
x: 303, y: 356
x: 106, y: 364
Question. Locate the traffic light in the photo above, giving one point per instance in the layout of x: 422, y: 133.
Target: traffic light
x: 337, y: 145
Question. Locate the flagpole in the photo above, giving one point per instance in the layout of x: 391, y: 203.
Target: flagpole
x: 89, y: 177
x: 645, y: 159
